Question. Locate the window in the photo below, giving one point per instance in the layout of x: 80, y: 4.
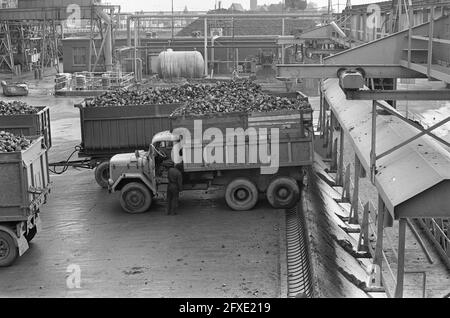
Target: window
x: 79, y: 56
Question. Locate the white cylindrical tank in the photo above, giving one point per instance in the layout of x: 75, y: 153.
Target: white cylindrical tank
x: 176, y: 64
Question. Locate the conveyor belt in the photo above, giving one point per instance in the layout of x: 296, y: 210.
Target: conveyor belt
x: 298, y: 261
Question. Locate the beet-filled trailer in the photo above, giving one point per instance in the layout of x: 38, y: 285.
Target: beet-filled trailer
x: 24, y: 188
x: 30, y: 125
x: 107, y: 131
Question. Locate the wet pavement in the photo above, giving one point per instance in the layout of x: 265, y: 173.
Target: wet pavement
x: 205, y: 251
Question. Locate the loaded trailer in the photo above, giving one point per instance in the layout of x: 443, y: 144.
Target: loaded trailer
x: 24, y: 188
x: 232, y: 165
x: 29, y: 125
x: 107, y: 131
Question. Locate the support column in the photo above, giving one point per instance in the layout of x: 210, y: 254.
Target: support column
x: 334, y: 159
x: 283, y: 53
x: 340, y: 169
x: 364, y: 27
x: 129, y: 32
x: 378, y: 259
x: 44, y: 44
x: 401, y: 258
x: 331, y: 135
x: 320, y: 126
x: 205, y: 55
x: 430, y: 42
x: 354, y: 219
x: 91, y: 40
x: 373, y: 142
x: 363, y: 241
x: 108, y: 47
x: 135, y: 49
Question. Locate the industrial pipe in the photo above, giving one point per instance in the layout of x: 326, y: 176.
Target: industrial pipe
x: 108, y: 38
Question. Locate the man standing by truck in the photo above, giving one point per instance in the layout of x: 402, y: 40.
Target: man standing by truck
x: 174, y: 187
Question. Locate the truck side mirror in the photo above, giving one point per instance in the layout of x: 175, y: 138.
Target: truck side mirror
x: 136, y: 153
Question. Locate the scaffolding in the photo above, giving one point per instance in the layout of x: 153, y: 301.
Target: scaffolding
x: 31, y: 39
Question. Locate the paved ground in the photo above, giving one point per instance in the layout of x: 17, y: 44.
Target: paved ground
x: 205, y: 251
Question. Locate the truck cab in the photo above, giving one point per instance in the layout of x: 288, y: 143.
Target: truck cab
x: 140, y: 176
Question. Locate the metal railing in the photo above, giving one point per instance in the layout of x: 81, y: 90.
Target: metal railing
x: 438, y: 231
x: 369, y: 229
x: 94, y: 81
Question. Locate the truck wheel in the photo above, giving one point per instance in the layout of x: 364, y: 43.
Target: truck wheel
x: 241, y: 195
x: 283, y: 193
x: 31, y: 234
x: 8, y: 249
x: 102, y: 174
x: 135, y: 198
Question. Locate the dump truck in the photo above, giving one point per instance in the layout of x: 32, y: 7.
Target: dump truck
x: 140, y: 177
x: 24, y: 188
x: 107, y: 131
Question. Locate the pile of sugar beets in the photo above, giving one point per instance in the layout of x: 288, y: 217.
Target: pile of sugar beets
x: 12, y: 143
x: 16, y: 108
x: 201, y: 99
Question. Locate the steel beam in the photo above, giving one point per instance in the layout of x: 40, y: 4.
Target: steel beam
x: 323, y: 51
x: 319, y: 71
x: 298, y: 15
x: 443, y: 94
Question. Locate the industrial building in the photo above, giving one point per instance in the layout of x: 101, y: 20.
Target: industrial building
x: 356, y: 103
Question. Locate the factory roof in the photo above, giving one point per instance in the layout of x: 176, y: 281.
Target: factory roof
x: 250, y: 26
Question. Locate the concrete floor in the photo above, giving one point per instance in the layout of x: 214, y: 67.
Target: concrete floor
x: 205, y: 251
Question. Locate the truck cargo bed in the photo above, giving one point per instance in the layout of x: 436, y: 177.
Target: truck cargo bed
x: 294, y: 134
x: 24, y: 182
x: 29, y: 125
x: 295, y: 150
x: 106, y: 131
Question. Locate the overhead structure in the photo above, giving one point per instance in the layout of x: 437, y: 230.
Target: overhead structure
x: 400, y: 55
x: 414, y: 181
x: 30, y: 35
x: 317, y: 41
x: 408, y: 164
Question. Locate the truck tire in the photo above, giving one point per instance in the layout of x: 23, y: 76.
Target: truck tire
x: 241, y: 195
x: 283, y: 193
x: 135, y: 198
x: 102, y: 174
x: 8, y: 249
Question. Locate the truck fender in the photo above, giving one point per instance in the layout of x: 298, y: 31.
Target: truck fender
x: 21, y: 242
x: 133, y: 176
